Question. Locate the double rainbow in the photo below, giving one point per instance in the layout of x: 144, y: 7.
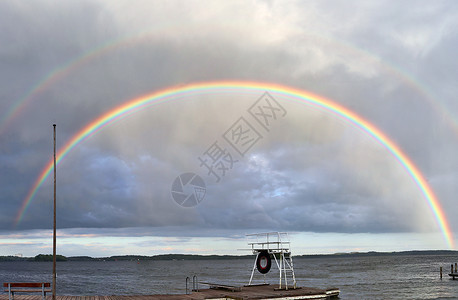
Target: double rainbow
x: 134, y: 105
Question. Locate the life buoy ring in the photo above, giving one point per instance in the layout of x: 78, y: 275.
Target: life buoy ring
x: 263, y: 262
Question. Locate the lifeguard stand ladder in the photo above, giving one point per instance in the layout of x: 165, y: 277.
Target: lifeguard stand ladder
x: 276, y: 245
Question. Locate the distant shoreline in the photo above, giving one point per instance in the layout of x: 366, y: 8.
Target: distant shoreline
x: 48, y: 257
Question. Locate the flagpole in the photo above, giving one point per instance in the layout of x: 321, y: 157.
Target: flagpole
x: 54, y: 227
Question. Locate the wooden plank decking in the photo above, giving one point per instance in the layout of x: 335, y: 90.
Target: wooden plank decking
x: 246, y: 293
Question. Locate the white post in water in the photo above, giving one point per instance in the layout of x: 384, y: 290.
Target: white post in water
x: 54, y: 230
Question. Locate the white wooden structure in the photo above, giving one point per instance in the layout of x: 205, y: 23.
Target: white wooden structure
x: 276, y: 246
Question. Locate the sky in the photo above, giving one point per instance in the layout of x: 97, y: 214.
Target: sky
x: 247, y: 160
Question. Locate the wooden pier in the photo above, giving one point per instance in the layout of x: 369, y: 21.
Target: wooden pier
x: 245, y: 293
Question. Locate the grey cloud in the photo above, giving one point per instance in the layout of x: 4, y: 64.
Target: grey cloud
x: 312, y: 172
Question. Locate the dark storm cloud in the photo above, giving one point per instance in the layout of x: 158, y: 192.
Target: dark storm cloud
x: 312, y: 172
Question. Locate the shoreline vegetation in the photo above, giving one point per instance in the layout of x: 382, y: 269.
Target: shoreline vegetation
x: 48, y: 257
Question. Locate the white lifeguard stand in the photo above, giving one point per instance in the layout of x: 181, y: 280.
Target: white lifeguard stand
x: 274, y: 245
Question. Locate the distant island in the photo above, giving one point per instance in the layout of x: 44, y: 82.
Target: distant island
x: 48, y: 257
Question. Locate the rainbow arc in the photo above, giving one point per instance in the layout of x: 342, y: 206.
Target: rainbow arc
x: 177, y: 92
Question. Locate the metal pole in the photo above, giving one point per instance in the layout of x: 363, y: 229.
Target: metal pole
x: 254, y: 267
x: 54, y: 228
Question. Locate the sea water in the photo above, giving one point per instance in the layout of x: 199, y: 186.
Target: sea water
x: 357, y: 277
